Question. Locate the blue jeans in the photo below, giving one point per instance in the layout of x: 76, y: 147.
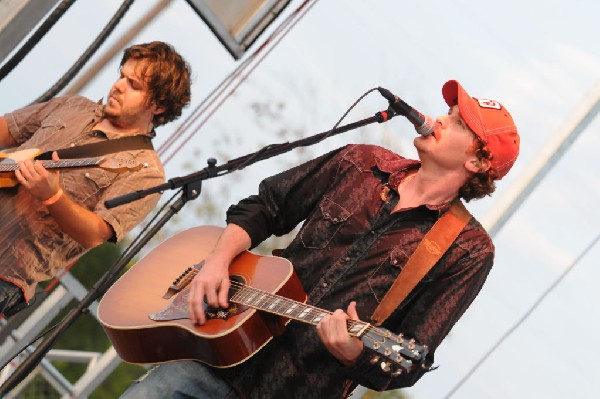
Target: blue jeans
x: 180, y: 380
x: 10, y: 296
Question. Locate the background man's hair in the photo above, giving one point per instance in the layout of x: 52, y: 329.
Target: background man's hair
x: 167, y: 76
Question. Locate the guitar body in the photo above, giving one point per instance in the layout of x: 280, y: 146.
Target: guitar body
x: 8, y: 179
x: 125, y: 308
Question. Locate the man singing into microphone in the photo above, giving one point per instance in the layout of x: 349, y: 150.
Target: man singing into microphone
x: 364, y: 211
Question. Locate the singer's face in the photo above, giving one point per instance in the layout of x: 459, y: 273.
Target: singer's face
x: 451, y: 144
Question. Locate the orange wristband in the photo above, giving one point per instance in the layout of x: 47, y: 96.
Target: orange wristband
x: 54, y: 198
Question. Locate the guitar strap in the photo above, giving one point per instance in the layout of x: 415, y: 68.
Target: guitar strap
x: 431, y: 248
x: 138, y: 142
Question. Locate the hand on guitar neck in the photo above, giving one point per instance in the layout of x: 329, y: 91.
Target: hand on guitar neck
x: 20, y: 168
x: 40, y: 182
x: 333, y: 331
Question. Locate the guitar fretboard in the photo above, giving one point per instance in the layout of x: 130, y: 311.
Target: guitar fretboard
x: 60, y: 164
x: 261, y: 300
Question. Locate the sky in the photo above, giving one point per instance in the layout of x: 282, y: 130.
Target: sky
x: 539, y: 58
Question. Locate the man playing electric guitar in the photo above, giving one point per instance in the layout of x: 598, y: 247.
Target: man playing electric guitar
x: 365, y: 210
x: 50, y: 219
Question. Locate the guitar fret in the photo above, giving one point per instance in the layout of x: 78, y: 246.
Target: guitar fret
x: 261, y: 298
x: 273, y: 304
x: 358, y: 328
x: 250, y: 298
x: 248, y: 295
x: 319, y: 317
x: 292, y: 308
x: 282, y: 306
x: 303, y: 314
x: 256, y: 299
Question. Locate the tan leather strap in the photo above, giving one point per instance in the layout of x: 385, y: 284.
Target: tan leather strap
x: 431, y: 248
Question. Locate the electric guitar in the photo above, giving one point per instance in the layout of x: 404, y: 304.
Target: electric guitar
x: 8, y: 164
x: 145, y: 312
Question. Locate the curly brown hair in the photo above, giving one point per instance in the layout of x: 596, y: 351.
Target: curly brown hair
x: 167, y: 75
x: 483, y: 183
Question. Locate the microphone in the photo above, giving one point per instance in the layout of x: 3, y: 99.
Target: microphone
x: 423, y: 123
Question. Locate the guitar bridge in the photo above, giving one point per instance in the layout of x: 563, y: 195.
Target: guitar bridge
x: 178, y: 308
x: 183, y: 280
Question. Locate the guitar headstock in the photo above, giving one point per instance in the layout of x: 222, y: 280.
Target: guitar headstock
x: 396, y: 354
x: 118, y: 165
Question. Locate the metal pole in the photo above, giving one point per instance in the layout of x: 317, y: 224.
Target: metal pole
x: 548, y: 156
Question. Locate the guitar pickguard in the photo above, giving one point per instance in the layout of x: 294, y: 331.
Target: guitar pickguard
x: 178, y: 307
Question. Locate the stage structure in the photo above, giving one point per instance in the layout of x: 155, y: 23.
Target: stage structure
x: 237, y: 24
x: 17, y: 19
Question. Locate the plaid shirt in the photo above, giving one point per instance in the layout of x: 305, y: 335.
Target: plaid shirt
x: 32, y: 246
x: 351, y: 247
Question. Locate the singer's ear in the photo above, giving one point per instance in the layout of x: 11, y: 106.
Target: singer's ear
x: 477, y: 165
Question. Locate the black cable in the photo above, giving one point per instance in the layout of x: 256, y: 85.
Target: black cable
x: 523, y: 318
x: 273, y: 40
x: 70, y: 74
x: 35, y: 38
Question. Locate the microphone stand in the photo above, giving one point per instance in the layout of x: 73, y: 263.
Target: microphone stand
x: 191, y: 189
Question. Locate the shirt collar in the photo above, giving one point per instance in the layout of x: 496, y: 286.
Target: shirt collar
x: 99, y: 114
x: 398, y: 168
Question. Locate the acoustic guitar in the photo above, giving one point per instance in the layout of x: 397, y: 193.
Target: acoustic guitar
x: 145, y: 312
x: 8, y: 164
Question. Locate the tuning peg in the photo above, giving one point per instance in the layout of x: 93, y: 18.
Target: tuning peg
x: 386, y: 366
x: 397, y: 373
x: 400, y: 338
x: 374, y: 359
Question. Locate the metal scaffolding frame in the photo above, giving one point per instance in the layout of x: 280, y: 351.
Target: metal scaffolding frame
x: 99, y: 365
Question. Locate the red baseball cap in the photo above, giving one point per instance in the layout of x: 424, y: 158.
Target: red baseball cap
x: 490, y: 121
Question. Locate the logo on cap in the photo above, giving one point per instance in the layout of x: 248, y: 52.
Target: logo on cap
x: 484, y: 103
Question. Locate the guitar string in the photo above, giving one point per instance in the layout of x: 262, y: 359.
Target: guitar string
x: 61, y: 163
x: 409, y: 350
x: 373, y: 333
x: 247, y: 293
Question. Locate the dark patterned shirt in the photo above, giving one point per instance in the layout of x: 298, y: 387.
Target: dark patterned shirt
x: 32, y: 246
x: 351, y: 247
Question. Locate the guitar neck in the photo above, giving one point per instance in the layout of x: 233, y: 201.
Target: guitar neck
x: 281, y: 306
x: 60, y: 164
x: 396, y: 353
